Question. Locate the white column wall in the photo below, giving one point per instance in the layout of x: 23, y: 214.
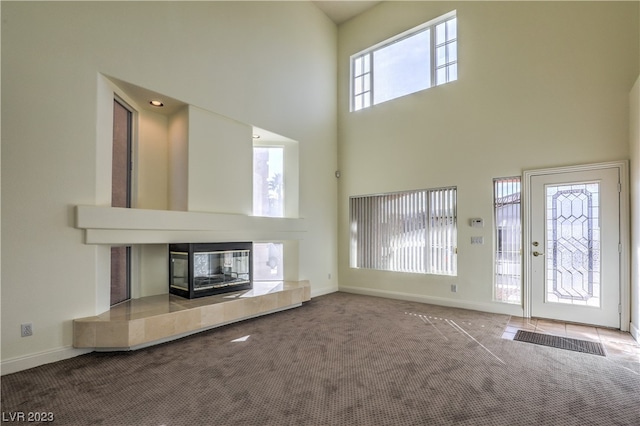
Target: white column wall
x: 178, y: 167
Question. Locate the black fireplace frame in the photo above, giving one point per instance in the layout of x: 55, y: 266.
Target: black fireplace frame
x: 193, y: 248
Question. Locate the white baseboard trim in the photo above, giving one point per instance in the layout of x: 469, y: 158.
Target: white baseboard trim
x: 14, y: 365
x: 634, y: 329
x: 494, y: 308
x: 322, y: 291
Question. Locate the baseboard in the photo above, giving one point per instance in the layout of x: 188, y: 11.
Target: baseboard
x: 315, y: 292
x: 494, y: 308
x: 14, y: 365
x: 634, y: 329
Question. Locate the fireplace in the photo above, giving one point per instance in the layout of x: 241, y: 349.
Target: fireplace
x: 204, y: 269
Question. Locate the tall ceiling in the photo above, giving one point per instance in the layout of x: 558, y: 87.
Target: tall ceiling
x: 340, y: 11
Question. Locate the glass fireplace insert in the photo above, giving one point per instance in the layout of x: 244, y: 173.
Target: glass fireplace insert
x: 204, y: 269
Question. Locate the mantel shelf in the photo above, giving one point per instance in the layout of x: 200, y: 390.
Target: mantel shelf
x: 114, y: 225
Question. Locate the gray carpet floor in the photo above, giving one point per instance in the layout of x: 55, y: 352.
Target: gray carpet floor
x: 340, y: 359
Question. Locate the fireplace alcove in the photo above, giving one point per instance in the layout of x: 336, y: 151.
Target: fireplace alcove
x: 205, y: 269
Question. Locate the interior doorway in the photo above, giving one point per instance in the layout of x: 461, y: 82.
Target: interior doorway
x: 575, y: 221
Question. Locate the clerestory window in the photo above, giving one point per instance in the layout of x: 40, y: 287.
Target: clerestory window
x: 417, y: 59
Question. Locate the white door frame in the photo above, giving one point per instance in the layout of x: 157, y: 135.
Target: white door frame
x: 625, y: 284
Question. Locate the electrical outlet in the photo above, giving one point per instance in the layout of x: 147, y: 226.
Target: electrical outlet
x: 26, y: 330
x: 454, y: 288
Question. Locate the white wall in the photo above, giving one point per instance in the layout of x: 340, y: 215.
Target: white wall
x: 220, y: 164
x: 153, y: 150
x: 178, y: 160
x: 269, y: 64
x: 537, y: 88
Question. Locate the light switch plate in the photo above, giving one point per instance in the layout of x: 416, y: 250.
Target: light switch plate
x: 477, y: 240
x: 476, y: 222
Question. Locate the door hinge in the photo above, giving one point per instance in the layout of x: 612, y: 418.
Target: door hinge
x: 619, y: 247
x: 619, y: 308
x: 619, y: 187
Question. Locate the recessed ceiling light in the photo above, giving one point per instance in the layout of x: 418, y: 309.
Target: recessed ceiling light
x: 156, y: 103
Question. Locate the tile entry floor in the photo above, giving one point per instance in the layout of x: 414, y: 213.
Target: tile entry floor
x: 617, y: 343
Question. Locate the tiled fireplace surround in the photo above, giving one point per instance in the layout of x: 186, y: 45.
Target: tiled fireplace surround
x: 155, y: 319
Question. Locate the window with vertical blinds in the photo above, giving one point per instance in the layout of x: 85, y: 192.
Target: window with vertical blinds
x: 412, y: 231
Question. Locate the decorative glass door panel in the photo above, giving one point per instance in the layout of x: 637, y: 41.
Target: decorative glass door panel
x: 573, y: 258
x: 573, y: 244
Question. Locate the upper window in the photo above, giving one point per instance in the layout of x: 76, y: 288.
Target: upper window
x: 268, y: 181
x: 415, y: 60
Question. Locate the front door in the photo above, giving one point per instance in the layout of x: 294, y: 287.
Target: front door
x: 574, y: 246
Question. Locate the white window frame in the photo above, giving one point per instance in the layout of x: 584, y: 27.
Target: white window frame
x: 367, y: 56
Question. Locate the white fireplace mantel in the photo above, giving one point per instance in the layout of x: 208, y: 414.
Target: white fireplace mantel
x: 115, y: 226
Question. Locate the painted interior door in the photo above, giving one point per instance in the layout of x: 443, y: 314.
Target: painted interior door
x: 575, y: 237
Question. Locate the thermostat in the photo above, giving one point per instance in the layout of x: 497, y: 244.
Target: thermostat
x: 477, y: 222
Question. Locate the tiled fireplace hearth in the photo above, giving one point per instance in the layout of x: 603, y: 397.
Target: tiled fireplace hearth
x: 155, y: 319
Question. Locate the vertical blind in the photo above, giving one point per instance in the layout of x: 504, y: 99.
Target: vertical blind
x: 412, y: 231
